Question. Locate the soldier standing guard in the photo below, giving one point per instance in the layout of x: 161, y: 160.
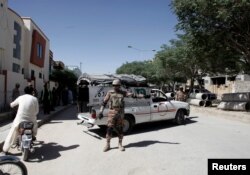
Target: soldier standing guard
x: 180, y: 95
x: 116, y: 112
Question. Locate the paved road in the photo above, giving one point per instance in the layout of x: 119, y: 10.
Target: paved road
x: 160, y: 148
x: 41, y: 118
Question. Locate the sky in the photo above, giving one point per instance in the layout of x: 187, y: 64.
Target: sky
x: 94, y: 35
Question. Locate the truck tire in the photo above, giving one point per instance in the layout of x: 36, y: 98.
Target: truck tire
x: 128, y: 124
x: 180, y: 117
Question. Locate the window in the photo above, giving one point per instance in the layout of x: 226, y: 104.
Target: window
x: 32, y: 74
x: 219, y: 80
x: 15, y: 67
x: 40, y: 75
x: 158, y: 96
x: 39, y: 50
x: 16, y: 41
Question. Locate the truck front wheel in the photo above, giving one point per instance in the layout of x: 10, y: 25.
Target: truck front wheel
x: 180, y: 117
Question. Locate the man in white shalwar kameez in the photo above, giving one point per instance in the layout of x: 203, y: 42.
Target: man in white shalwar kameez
x: 28, y: 109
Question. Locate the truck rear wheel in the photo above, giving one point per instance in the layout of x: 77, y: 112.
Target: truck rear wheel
x: 128, y: 124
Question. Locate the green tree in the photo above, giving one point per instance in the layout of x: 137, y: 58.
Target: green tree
x: 220, y: 28
x: 64, y: 78
x: 180, y: 61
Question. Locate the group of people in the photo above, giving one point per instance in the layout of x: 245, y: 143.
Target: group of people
x: 52, y: 98
x: 48, y: 98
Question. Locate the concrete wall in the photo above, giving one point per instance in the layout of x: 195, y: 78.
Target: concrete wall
x: 242, y: 86
x: 219, y: 90
x: 230, y: 87
x: 243, y: 77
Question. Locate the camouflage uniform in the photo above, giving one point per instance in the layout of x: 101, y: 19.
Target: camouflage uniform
x: 115, y: 98
x: 115, y: 114
x: 180, y: 96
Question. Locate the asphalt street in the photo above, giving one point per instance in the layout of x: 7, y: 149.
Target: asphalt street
x: 63, y: 147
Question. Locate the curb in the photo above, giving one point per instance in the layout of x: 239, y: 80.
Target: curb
x: 45, y: 120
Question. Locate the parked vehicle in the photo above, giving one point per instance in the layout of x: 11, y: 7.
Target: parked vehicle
x: 25, y: 139
x: 10, y: 165
x: 137, y: 110
x: 156, y: 108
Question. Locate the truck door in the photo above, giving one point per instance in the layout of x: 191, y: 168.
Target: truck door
x: 140, y: 108
x: 159, y: 107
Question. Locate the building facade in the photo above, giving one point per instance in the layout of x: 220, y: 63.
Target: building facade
x: 227, y: 84
x: 24, y: 53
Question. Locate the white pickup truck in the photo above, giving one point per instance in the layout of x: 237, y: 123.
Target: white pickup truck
x: 157, y: 107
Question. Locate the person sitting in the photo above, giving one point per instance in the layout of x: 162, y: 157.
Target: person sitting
x: 28, y: 109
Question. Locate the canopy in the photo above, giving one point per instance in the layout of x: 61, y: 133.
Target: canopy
x: 126, y: 79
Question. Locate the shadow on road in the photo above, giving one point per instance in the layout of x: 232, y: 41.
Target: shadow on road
x: 140, y: 128
x: 147, y: 143
x: 49, y: 151
x: 159, y: 125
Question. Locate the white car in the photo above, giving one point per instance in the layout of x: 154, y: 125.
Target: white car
x: 157, y: 107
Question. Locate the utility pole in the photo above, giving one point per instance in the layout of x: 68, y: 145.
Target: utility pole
x: 81, y: 67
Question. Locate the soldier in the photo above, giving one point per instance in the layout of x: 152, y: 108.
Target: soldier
x: 180, y: 95
x: 116, y: 112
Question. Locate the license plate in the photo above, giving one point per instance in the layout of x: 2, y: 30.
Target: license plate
x: 26, y: 141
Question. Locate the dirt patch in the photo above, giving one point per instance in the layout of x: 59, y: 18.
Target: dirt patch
x: 234, y: 115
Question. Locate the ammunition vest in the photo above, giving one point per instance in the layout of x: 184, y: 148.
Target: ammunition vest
x: 116, y: 100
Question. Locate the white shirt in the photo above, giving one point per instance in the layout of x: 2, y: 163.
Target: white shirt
x: 27, y: 111
x: 28, y: 108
